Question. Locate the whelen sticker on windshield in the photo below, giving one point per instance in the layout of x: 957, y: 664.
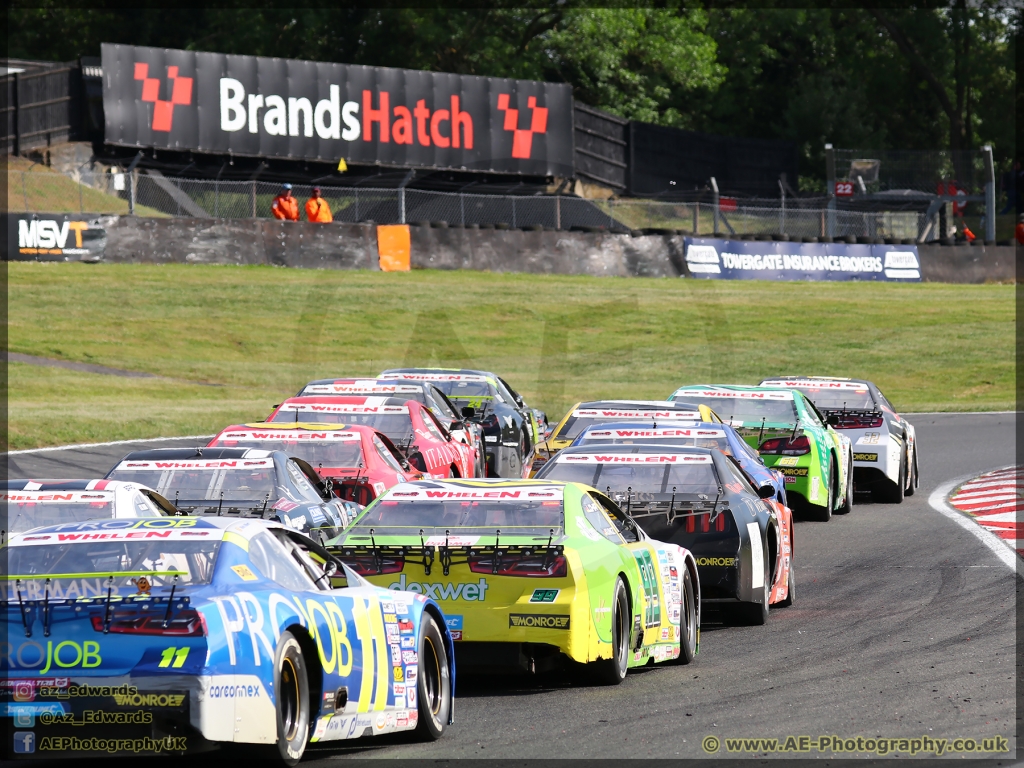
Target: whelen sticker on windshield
x: 180, y: 528
x: 660, y: 415
x: 55, y: 497
x: 207, y: 464
x: 438, y: 376
x: 816, y: 385
x: 291, y: 435
x: 344, y: 408
x: 650, y: 434
x: 633, y: 458
x: 735, y: 393
x: 360, y: 389
x: 454, y: 492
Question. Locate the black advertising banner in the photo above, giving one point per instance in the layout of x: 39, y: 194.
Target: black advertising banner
x: 306, y: 110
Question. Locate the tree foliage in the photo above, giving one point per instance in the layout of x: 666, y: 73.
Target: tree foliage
x: 911, y: 77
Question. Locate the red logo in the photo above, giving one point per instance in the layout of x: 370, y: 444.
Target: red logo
x: 163, y: 111
x: 522, y: 141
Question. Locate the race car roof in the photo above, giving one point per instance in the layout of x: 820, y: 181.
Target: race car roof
x: 282, y: 430
x: 64, y: 485
x: 606, y: 449
x: 494, y: 489
x: 372, y: 386
x: 780, y: 381
x: 452, y: 371
x: 711, y: 390
x: 344, y: 400
x: 645, y: 430
x: 639, y: 405
x: 180, y: 454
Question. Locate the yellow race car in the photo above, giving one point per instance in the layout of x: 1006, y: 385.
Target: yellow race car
x: 583, y: 415
x: 532, y: 573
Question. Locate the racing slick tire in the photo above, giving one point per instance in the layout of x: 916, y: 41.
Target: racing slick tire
x: 790, y: 588
x: 480, y: 469
x: 847, y: 506
x: 688, y: 622
x: 434, y: 701
x: 914, y: 479
x: 613, y: 671
x: 756, y: 614
x: 824, y: 514
x: 291, y: 686
x: 892, y: 493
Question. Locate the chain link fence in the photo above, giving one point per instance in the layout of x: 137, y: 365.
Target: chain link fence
x: 148, y: 194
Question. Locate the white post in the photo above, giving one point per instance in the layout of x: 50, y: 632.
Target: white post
x: 990, y: 194
x: 714, y: 190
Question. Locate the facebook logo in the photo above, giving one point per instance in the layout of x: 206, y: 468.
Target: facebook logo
x: 24, y: 742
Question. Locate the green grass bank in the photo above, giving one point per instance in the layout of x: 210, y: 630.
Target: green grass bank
x: 261, y: 332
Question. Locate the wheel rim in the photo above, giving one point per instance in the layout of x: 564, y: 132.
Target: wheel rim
x: 432, y: 676
x: 289, y: 699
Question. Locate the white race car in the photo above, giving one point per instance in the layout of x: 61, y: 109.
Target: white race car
x: 885, y: 459
x: 32, y: 503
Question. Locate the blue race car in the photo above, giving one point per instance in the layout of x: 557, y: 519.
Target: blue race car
x: 172, y: 634
x: 701, y: 434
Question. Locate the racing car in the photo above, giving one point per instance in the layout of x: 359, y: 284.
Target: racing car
x: 583, y: 415
x: 31, y: 503
x: 790, y: 436
x: 460, y: 426
x: 885, y: 457
x: 715, y: 435
x: 187, y: 632
x: 356, y: 463
x: 699, y: 499
x: 532, y: 574
x: 509, y: 425
x: 426, y: 444
x: 244, y: 482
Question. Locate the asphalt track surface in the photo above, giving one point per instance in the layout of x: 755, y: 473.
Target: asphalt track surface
x: 903, y: 626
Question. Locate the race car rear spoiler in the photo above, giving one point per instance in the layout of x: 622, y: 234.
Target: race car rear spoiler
x: 377, y: 559
x: 849, y: 418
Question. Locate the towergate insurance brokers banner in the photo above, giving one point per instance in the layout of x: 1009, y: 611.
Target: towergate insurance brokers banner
x: 308, y: 110
x: 724, y: 259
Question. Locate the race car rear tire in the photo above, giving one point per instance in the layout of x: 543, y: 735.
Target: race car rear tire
x: 888, y: 492
x: 687, y: 622
x: 847, y: 506
x: 915, y: 478
x: 434, y: 690
x: 291, y: 688
x: 790, y: 588
x: 756, y: 614
x: 613, y: 671
x: 824, y: 514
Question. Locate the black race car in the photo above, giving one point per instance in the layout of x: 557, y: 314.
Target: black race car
x: 509, y: 425
x: 240, y: 481
x: 702, y: 500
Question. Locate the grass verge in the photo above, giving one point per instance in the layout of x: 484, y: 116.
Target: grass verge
x: 262, y: 332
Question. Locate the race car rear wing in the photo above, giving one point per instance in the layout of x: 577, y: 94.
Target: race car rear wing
x: 851, y: 418
x: 497, y: 559
x: 674, y: 506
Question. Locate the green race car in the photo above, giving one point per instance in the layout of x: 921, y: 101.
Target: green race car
x: 532, y: 573
x: 791, y: 437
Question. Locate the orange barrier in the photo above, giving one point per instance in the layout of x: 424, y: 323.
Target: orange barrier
x: 394, y: 247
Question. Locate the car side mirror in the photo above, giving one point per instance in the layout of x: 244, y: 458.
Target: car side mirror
x: 468, y: 411
x: 832, y: 420
x: 330, y: 568
x: 766, y: 491
x: 456, y: 425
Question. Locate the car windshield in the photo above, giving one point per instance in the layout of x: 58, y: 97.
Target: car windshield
x: 681, y: 437
x: 828, y: 399
x: 462, y: 391
x: 397, y: 426
x: 643, y: 473
x: 749, y: 408
x: 237, y: 479
x: 582, y: 418
x: 22, y: 516
x: 318, y: 452
x: 514, y: 517
x: 83, y: 568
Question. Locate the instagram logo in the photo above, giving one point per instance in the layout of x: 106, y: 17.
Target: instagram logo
x: 24, y: 691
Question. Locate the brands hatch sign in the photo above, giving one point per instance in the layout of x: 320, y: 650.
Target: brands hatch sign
x: 723, y: 259
x: 306, y: 110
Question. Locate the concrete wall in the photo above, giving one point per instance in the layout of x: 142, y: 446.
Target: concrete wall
x: 354, y: 246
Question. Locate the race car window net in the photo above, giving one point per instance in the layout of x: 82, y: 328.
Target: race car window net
x: 396, y: 426
x: 83, y: 568
x: 719, y: 443
x: 749, y: 411
x: 513, y: 517
x: 23, y: 516
x: 202, y: 484
x: 343, y: 453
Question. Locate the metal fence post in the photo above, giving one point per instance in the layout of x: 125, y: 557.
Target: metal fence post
x: 462, y: 209
x: 252, y: 197
x: 830, y: 191
x: 782, y: 210
x: 401, y: 205
x: 357, y: 205
x: 990, y: 194
x: 716, y: 203
x: 558, y: 212
x: 133, y: 181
